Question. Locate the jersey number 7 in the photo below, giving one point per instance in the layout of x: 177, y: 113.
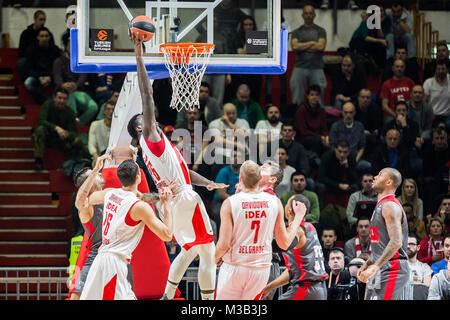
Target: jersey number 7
x: 255, y: 225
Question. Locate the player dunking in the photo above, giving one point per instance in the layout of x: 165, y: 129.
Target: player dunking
x: 305, y: 270
x: 124, y: 219
x: 249, y: 221
x: 386, y: 272
x: 192, y: 228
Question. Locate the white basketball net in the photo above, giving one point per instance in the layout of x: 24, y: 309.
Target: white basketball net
x: 186, y: 64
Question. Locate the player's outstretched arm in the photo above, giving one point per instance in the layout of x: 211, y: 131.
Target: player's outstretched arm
x: 226, y: 231
x: 81, y: 200
x: 143, y: 211
x: 199, y: 180
x: 284, y: 236
x: 145, y: 88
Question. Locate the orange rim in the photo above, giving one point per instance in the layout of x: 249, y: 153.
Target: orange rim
x: 178, y: 51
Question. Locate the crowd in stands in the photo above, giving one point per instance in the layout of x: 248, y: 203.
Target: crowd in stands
x: 330, y: 154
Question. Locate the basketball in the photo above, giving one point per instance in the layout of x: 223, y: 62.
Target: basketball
x: 144, y: 26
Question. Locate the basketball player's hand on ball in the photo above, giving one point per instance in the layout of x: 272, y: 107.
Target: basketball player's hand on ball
x: 213, y: 185
x: 138, y: 47
x: 100, y: 161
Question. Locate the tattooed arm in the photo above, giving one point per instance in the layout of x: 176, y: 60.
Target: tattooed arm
x: 392, y: 216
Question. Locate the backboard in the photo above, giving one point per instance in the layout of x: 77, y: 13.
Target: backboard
x: 99, y: 41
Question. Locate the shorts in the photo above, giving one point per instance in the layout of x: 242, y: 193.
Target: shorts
x: 306, y: 290
x: 107, y: 279
x: 85, y: 270
x: 191, y: 225
x: 389, y: 282
x: 241, y: 283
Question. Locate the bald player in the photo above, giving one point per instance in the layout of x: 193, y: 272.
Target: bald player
x: 244, y: 249
x: 305, y: 268
x: 386, y: 272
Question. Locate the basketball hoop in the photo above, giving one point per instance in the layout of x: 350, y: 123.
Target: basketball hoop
x: 186, y: 63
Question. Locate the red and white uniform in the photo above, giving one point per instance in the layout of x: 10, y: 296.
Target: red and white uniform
x: 107, y: 278
x: 246, y: 265
x: 191, y: 225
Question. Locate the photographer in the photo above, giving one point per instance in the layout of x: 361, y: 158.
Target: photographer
x: 339, y: 276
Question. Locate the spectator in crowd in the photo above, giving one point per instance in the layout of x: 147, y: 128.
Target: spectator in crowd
x: 408, y: 128
x: 79, y: 101
x: 411, y: 66
x: 328, y: 241
x: 296, y: 152
x: 102, y: 85
x: 437, y: 91
x: 308, y: 42
x: 444, y: 212
x: 337, y: 174
x: 298, y: 186
x: 254, y: 81
x: 311, y: 123
x: 409, y: 135
x: 99, y: 131
x: 371, y: 116
x: 442, y: 53
x: 347, y: 80
x: 431, y: 245
x: 39, y: 62
x: 397, y: 88
x: 351, y: 131
x: 338, y: 275
x: 247, y: 108
x: 361, y: 242
x: 401, y: 30
x: 445, y: 256
x: 62, y: 74
x: 440, y: 286
x: 210, y: 109
x: 435, y: 171
x: 230, y: 176
x: 114, y: 97
x: 420, y: 272
x: 410, y: 194
x: 421, y: 112
x: 269, y: 129
x: 372, y: 43
x: 415, y: 225
x: 194, y: 147
x: 229, y: 122
x: 391, y: 154
x: 57, y: 127
x: 285, y: 184
x: 28, y: 37
x: 229, y: 16
x: 366, y: 194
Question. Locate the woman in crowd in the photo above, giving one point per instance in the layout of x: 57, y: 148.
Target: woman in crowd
x: 431, y: 246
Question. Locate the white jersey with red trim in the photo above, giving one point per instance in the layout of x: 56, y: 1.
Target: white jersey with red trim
x: 254, y: 217
x: 120, y: 233
x: 164, y: 162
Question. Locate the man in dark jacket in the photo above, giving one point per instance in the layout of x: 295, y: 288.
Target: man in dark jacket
x: 40, y: 57
x: 391, y: 154
x: 57, y: 127
x: 27, y: 37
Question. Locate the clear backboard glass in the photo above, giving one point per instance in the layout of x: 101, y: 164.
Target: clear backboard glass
x: 247, y: 34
